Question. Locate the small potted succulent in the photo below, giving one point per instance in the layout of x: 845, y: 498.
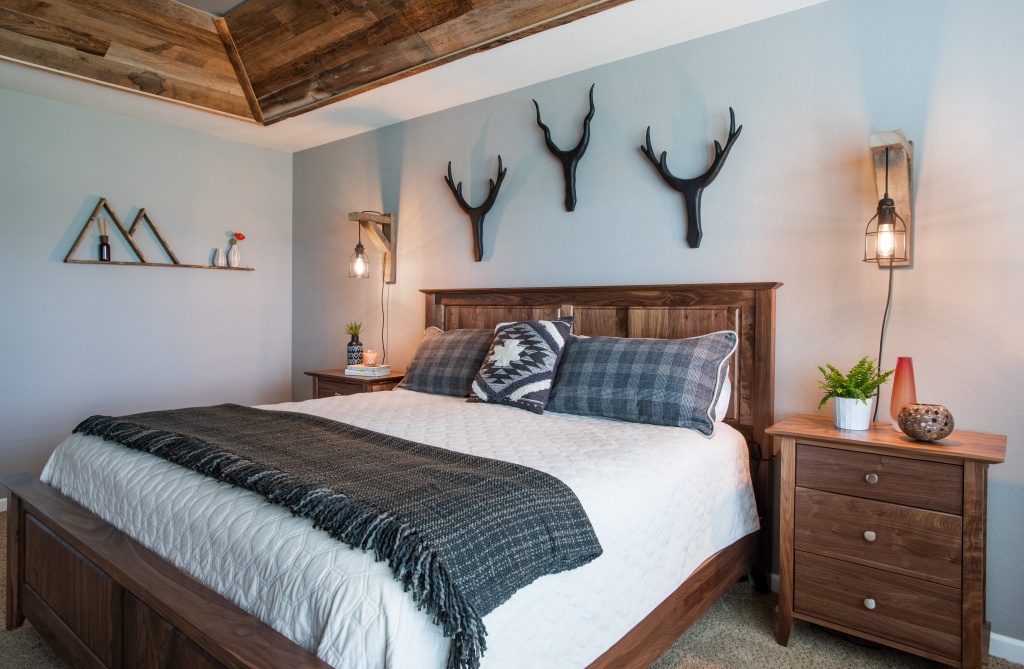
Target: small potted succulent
x: 355, y: 347
x: 851, y: 393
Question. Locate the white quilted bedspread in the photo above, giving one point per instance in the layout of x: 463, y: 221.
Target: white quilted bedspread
x: 661, y: 500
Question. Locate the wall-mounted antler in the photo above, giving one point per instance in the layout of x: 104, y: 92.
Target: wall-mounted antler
x: 571, y: 158
x: 476, y: 214
x: 693, y: 188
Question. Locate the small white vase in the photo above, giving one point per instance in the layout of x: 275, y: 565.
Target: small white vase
x: 234, y: 257
x: 218, y: 258
x: 851, y: 413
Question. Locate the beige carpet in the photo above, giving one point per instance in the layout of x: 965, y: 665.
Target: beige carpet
x: 737, y: 633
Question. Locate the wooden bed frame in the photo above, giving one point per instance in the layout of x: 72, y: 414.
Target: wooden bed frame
x: 103, y: 600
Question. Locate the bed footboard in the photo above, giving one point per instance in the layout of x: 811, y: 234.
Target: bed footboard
x: 103, y: 601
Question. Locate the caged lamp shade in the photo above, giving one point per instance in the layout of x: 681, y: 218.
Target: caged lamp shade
x: 359, y: 265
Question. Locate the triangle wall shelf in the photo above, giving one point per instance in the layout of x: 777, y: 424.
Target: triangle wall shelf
x: 128, y: 235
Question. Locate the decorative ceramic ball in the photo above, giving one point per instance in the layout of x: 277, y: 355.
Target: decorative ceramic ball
x: 925, y: 422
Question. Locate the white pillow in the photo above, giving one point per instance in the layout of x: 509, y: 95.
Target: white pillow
x: 722, y: 405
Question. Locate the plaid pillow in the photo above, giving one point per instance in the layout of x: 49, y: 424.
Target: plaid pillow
x: 446, y: 362
x: 657, y: 381
x: 521, y: 363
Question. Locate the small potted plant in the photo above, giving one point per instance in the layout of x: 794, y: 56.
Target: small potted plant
x: 852, y: 392
x: 355, y: 347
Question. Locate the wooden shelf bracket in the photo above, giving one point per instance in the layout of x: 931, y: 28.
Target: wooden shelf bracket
x: 382, y: 229
x: 100, y: 206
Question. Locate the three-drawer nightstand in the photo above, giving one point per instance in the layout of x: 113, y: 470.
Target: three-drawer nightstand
x: 883, y: 537
x: 332, y: 382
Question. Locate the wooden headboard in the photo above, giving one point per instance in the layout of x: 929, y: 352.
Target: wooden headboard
x: 661, y: 312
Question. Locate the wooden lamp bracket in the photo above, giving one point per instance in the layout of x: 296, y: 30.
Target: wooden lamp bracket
x: 901, y: 180
x: 382, y: 229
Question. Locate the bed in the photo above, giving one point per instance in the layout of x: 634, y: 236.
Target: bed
x: 102, y: 599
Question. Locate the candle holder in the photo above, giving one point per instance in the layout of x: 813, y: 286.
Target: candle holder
x: 370, y: 358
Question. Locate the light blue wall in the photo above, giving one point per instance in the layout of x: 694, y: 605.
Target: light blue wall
x: 82, y: 339
x: 790, y: 205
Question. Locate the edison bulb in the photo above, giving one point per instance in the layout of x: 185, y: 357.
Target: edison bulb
x: 360, y: 265
x: 886, y: 240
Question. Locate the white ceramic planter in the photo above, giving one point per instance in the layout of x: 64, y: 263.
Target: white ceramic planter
x: 852, y: 414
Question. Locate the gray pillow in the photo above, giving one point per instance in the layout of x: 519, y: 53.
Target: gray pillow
x: 656, y: 381
x: 446, y: 362
x: 520, y: 364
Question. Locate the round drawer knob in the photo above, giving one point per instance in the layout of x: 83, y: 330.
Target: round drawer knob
x: 871, y: 478
x: 869, y: 603
x: 869, y: 535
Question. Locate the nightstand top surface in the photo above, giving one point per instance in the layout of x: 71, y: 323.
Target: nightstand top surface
x: 340, y: 375
x: 961, y: 444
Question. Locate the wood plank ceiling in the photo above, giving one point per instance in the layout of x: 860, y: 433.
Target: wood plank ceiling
x: 268, y: 59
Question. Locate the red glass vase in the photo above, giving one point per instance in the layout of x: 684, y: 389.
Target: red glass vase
x: 903, y: 390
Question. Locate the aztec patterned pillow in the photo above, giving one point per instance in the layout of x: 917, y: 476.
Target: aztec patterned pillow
x: 520, y: 364
x: 446, y: 362
x: 656, y: 381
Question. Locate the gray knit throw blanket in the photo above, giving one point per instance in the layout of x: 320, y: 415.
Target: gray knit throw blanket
x: 462, y: 533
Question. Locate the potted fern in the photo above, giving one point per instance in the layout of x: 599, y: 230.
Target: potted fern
x: 851, y: 393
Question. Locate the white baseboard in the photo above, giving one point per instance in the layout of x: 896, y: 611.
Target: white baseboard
x: 3, y: 505
x: 1005, y: 647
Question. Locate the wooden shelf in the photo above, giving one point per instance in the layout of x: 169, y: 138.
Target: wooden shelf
x: 156, y: 264
x: 127, y: 235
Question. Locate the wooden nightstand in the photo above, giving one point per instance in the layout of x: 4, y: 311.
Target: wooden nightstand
x: 331, y: 382
x: 883, y: 537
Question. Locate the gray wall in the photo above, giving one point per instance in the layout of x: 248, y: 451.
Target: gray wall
x: 790, y: 205
x: 82, y: 339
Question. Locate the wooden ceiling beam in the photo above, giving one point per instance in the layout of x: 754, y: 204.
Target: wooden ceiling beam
x: 267, y: 60
x: 303, y: 54
x: 128, y: 45
x: 236, y: 62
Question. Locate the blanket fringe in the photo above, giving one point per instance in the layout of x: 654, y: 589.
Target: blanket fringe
x: 349, y: 520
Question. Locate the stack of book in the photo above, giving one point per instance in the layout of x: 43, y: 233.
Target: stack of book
x: 367, y: 370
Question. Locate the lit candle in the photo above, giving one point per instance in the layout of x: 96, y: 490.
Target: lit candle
x: 369, y: 357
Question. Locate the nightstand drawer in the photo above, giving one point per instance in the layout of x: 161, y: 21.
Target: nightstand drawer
x: 325, y: 388
x: 906, y: 610
x: 927, y: 485
x: 913, y: 542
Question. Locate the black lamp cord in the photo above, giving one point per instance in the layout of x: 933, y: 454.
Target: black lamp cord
x: 888, y: 301
x: 881, y: 338
x: 383, y: 314
x: 383, y: 309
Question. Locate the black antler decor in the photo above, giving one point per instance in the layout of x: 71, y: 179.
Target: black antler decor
x: 693, y: 188
x: 476, y: 214
x: 571, y: 158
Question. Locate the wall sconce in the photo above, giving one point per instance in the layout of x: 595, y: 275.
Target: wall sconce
x: 382, y: 229
x: 888, y: 235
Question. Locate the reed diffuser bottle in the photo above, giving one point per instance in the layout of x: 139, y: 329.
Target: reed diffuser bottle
x: 104, y: 239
